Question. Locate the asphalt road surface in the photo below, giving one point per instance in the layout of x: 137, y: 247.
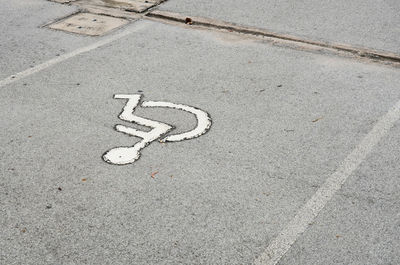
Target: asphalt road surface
x: 225, y: 146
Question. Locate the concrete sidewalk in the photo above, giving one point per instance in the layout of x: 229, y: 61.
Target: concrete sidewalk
x: 287, y: 125
x: 359, y: 23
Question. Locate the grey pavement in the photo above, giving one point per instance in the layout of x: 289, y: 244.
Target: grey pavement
x: 25, y: 43
x: 283, y: 120
x: 363, y: 23
x: 361, y: 225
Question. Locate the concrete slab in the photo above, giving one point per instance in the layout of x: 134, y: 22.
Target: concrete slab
x: 129, y: 5
x: 369, y: 24
x: 63, y: 1
x: 283, y: 120
x: 361, y: 225
x: 89, y: 24
x: 103, y: 10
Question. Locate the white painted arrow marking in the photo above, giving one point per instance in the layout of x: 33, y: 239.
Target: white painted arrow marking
x: 203, y: 120
x: 128, y: 155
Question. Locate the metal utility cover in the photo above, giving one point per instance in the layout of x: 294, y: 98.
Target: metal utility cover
x: 88, y: 24
x: 129, y: 5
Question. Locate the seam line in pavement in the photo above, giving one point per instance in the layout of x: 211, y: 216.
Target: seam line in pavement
x: 18, y: 76
x: 216, y: 24
x: 307, y: 214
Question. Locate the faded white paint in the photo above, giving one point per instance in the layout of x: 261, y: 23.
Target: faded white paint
x: 128, y: 155
x: 307, y: 214
x: 40, y: 67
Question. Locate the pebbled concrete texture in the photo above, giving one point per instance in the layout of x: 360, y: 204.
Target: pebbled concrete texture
x: 25, y: 43
x: 371, y: 24
x: 217, y: 199
x: 361, y: 225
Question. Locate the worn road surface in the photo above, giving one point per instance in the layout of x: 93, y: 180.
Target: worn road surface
x: 296, y: 156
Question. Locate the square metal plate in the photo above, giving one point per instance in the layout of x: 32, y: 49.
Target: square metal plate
x: 89, y: 24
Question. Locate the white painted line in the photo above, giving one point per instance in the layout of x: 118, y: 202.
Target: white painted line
x: 306, y: 215
x: 203, y: 120
x: 66, y: 56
